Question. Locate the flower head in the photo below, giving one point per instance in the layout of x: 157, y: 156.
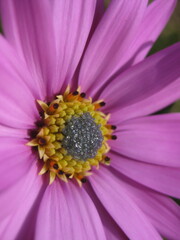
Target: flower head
x: 127, y: 161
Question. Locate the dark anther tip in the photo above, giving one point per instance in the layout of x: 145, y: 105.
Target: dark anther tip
x: 83, y: 95
x: 55, y: 105
x: 113, y: 127
x: 114, y: 137
x: 55, y: 166
x: 32, y: 133
x: 102, y: 104
x: 41, y: 114
x: 107, y: 159
x: 68, y: 175
x: 83, y: 180
x: 42, y: 141
x: 39, y: 123
x: 60, y: 172
x: 75, y: 93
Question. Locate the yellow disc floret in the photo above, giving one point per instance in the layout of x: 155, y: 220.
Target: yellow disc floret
x: 69, y: 117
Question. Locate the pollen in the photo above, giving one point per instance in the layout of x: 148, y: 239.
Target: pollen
x: 73, y: 137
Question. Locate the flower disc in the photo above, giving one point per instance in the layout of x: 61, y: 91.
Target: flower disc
x: 73, y: 136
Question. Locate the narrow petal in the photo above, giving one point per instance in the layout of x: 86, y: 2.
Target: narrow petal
x: 153, y: 139
x: 112, y: 230
x: 159, y: 178
x: 146, y: 87
x: 109, y: 42
x: 18, y: 94
x: 100, y: 9
x: 72, y: 23
x: 13, y: 132
x: 21, y: 223
x: 121, y: 207
x: 163, y: 212
x: 19, y: 190
x: 67, y: 212
x: 156, y: 17
x: 28, y: 26
x: 16, y: 159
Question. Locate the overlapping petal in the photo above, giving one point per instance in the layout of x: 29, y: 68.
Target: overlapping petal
x: 15, y: 160
x: 13, y: 196
x: 111, y: 228
x: 163, y: 212
x: 109, y: 42
x: 121, y: 207
x: 20, y: 223
x: 153, y: 139
x: 100, y: 9
x: 67, y: 212
x: 145, y: 88
x: 13, y: 132
x: 160, y: 178
x: 18, y: 93
x: 72, y: 23
x: 156, y: 17
x: 28, y: 26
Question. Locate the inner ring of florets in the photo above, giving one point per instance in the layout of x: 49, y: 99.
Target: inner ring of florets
x: 73, y: 136
x: 82, y: 137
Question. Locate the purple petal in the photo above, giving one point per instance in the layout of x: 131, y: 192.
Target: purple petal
x: 112, y: 230
x: 153, y: 139
x: 18, y: 95
x: 20, y: 223
x: 13, y: 132
x: 100, y: 9
x: 67, y: 212
x: 121, y: 207
x: 159, y: 178
x: 163, y: 212
x: 72, y: 24
x: 155, y: 19
x: 28, y: 26
x: 13, y: 196
x: 109, y: 43
x: 146, y: 87
x: 16, y: 159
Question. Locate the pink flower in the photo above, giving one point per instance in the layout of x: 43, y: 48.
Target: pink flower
x: 49, y: 44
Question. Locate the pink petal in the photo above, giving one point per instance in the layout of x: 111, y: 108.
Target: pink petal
x: 21, y: 221
x: 153, y: 139
x: 14, y: 196
x: 121, y: 207
x: 155, y: 19
x: 67, y: 212
x: 72, y: 24
x: 15, y: 160
x: 163, y: 212
x: 109, y: 43
x: 13, y: 132
x: 112, y: 230
x: 159, y: 178
x: 18, y: 95
x: 146, y: 87
x: 100, y: 9
x: 153, y: 22
x: 28, y: 26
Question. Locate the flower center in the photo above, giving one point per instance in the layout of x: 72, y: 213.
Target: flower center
x: 82, y: 137
x: 73, y: 136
